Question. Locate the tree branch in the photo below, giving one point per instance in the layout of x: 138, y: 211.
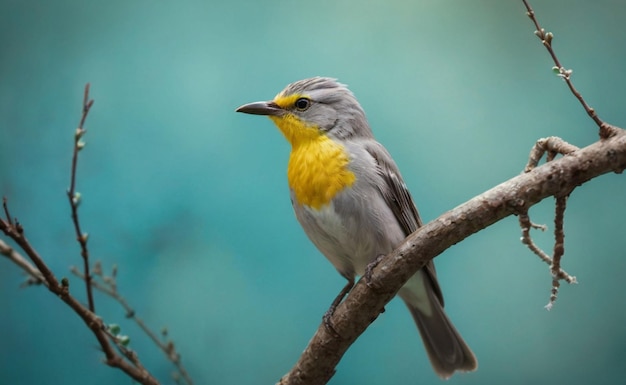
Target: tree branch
x: 40, y: 272
x: 364, y: 303
x: 62, y: 290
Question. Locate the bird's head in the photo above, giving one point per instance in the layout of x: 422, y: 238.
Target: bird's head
x: 312, y: 107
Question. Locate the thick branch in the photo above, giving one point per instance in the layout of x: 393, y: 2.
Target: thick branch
x: 364, y: 303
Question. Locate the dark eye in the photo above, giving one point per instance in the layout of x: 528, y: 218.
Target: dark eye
x: 302, y: 104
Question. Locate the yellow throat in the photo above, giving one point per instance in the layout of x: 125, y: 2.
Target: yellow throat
x: 318, y: 166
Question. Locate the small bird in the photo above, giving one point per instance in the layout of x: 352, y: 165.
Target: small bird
x: 349, y: 197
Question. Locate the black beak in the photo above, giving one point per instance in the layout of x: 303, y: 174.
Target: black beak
x: 261, y: 108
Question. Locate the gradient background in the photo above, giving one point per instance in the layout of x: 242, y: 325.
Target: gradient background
x: 190, y: 199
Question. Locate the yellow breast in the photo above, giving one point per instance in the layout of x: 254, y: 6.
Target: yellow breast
x: 318, y: 166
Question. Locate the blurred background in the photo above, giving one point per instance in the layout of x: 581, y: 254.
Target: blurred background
x: 190, y: 199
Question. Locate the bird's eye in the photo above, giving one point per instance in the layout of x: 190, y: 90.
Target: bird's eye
x: 302, y: 104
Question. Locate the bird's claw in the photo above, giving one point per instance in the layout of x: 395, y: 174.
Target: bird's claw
x: 370, y: 268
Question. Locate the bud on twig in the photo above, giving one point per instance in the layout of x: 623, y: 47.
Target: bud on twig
x: 114, y: 329
x: 76, y: 199
x: 79, y: 133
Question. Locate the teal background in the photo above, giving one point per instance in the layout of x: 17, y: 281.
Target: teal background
x: 190, y: 199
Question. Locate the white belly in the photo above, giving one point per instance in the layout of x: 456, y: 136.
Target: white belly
x: 352, y: 237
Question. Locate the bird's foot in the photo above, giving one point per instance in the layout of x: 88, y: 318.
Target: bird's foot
x: 370, y: 268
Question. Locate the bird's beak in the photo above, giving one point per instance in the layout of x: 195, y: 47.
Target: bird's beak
x: 261, y: 108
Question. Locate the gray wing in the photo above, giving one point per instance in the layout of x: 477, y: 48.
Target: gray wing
x: 400, y: 202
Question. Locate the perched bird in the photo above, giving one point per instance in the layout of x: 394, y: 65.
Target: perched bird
x: 349, y: 197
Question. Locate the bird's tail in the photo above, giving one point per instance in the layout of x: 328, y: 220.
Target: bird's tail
x: 446, y: 349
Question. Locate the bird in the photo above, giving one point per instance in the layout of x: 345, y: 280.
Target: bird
x: 349, y: 197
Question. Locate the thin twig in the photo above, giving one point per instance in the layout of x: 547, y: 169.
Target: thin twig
x: 559, y: 248
x: 6, y: 211
x: 108, y: 286
x: 75, y: 197
x: 34, y: 275
x: 16, y: 232
x: 526, y: 239
x: 526, y: 225
x: 606, y: 130
x: 552, y: 145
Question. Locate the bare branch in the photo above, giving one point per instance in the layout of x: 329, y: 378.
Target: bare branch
x: 559, y: 249
x: 41, y: 272
x: 34, y: 275
x: 606, y: 130
x: 61, y: 290
x: 526, y: 225
x: 75, y: 197
x: 16, y: 232
x: 553, y: 146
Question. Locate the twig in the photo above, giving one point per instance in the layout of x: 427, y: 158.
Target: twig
x: 559, y: 249
x: 526, y: 225
x: 109, y: 287
x: 75, y: 197
x: 606, y: 130
x: 552, y: 145
x: 526, y: 239
x: 15, y: 231
x: 6, y: 211
x: 61, y: 290
x: 34, y: 275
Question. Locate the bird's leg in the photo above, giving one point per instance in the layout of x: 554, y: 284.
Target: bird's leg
x: 370, y: 267
x: 368, y: 273
x: 331, y: 310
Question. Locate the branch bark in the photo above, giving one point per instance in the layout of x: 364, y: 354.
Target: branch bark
x: 364, y: 303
